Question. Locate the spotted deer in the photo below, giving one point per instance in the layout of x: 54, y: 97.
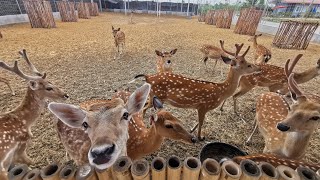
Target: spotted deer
x: 15, y: 125
x: 212, y: 52
x: 274, y: 78
x: 287, y: 130
x: 98, y: 132
x: 119, y: 39
x: 164, y: 62
x: 6, y: 81
x: 277, y: 160
x: 260, y: 50
x: 183, y: 92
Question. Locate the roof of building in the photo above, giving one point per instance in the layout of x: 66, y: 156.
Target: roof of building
x: 301, y: 1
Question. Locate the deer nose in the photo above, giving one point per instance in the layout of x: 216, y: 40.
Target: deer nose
x: 169, y: 61
x: 193, y: 139
x: 66, y: 96
x: 102, y: 152
x: 283, y: 127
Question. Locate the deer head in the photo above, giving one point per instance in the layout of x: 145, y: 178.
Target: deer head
x: 106, y: 124
x: 165, y: 63
x: 38, y: 83
x: 254, y: 38
x: 114, y: 31
x: 239, y: 63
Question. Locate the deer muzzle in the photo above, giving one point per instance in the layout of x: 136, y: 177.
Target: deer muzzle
x: 283, y: 127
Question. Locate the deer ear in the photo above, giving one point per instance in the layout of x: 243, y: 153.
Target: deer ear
x: 259, y: 35
x: 34, y: 85
x: 112, y: 28
x: 157, y: 104
x: 158, y: 53
x: 153, y: 119
x: 69, y: 114
x: 138, y: 99
x: 118, y: 29
x: 172, y: 52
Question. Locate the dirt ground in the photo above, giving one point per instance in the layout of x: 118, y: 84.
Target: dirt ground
x: 78, y: 57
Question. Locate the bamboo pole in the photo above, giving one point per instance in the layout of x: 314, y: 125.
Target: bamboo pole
x: 33, y: 175
x: 191, y: 169
x: 250, y: 170
x: 51, y: 172
x: 210, y: 170
x: 268, y: 172
x: 158, y: 169
x: 230, y: 171
x: 287, y: 173
x: 140, y: 170
x: 67, y: 173
x: 105, y: 174
x: 173, y: 168
x: 86, y: 172
x: 306, y: 173
x: 18, y: 172
x: 121, y: 168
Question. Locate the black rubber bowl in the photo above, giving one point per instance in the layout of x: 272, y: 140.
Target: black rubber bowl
x: 218, y: 151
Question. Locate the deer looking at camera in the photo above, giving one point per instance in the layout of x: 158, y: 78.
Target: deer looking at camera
x: 6, y: 81
x: 183, y: 92
x: 119, y: 40
x: 98, y: 133
x: 164, y: 62
x: 15, y: 126
x: 212, y: 52
x: 260, y: 50
x: 287, y: 130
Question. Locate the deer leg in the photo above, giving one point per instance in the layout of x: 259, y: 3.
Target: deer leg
x: 243, y: 89
x: 5, y: 163
x: 8, y: 84
x: 21, y: 155
x: 201, y: 116
x: 205, y: 59
x: 221, y: 107
x: 254, y: 130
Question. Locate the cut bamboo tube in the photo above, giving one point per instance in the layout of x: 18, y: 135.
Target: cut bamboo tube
x: 158, y: 168
x: 105, y: 174
x: 268, y: 172
x: 230, y: 171
x: 287, y: 173
x: 250, y: 170
x: 86, y: 172
x: 306, y: 174
x: 210, y: 170
x: 318, y: 172
x: 121, y: 168
x: 33, y: 175
x: 191, y: 169
x: 67, y: 173
x: 173, y: 168
x: 140, y: 170
x: 18, y: 172
x: 51, y: 172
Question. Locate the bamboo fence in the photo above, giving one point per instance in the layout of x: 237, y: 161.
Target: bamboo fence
x: 202, y: 17
x: 248, y: 21
x: 209, y: 19
x: 83, y: 10
x: 39, y: 13
x: 160, y: 169
x: 224, y: 18
x: 67, y: 11
x: 93, y: 9
x: 294, y: 34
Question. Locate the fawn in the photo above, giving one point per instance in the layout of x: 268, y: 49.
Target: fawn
x: 119, y: 39
x: 164, y: 62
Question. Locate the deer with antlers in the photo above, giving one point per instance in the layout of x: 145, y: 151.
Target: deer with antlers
x: 212, y: 52
x: 287, y: 130
x: 260, y: 50
x: 16, y: 125
x: 6, y: 81
x: 98, y: 133
x: 119, y: 40
x: 164, y: 62
x: 183, y: 92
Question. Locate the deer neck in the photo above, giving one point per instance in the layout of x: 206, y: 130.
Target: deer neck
x: 159, y: 65
x: 295, y: 144
x: 255, y: 43
x: 230, y: 85
x: 306, y: 75
x: 152, y: 140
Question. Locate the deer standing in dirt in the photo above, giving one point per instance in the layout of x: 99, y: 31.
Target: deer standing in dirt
x: 287, y: 130
x: 119, y: 40
x: 6, y: 81
x: 164, y: 62
x: 212, y: 52
x: 183, y: 92
x: 274, y: 78
x: 15, y: 126
x: 260, y: 50
x: 98, y: 133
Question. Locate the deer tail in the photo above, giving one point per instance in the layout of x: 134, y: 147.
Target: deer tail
x: 138, y: 76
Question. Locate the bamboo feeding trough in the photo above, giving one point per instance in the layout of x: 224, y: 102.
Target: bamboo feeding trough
x: 287, y: 173
x: 191, y: 169
x: 294, y: 34
x: 67, y: 173
x: 174, y: 166
x: 230, y: 171
x: 67, y: 11
x: 51, y: 172
x: 268, y: 172
x: 93, y: 9
x: 140, y: 170
x: 18, y: 172
x: 210, y: 170
x: 224, y: 18
x: 121, y: 168
x: 83, y: 10
x: 250, y: 170
x: 39, y: 13
x: 158, y: 169
x: 86, y: 172
x: 33, y: 175
x: 104, y: 174
x: 248, y: 21
x: 306, y: 174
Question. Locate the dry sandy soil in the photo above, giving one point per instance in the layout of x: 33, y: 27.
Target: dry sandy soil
x: 78, y: 57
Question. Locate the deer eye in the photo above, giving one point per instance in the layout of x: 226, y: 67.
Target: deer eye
x: 169, y: 126
x: 315, y: 118
x: 125, y: 116
x: 85, y: 125
x: 249, y: 66
x: 49, y: 88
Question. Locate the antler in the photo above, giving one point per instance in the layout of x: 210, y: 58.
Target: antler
x: 288, y: 70
x: 245, y: 53
x: 23, y: 53
x: 238, y: 47
x: 222, y: 47
x: 293, y: 86
x: 15, y: 69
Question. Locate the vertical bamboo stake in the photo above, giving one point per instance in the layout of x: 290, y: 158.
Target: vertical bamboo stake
x: 121, y: 168
x: 287, y: 173
x: 191, y: 169
x: 158, y: 168
x: 18, y: 172
x: 67, y: 173
x: 33, y: 175
x: 105, y: 174
x: 173, y: 168
x: 268, y: 172
x: 306, y: 174
x: 250, y: 170
x: 230, y: 171
x: 210, y: 170
x: 50, y: 172
x: 140, y: 170
x: 86, y: 172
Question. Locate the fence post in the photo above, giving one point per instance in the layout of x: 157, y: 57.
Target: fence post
x: 100, y: 5
x: 19, y: 6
